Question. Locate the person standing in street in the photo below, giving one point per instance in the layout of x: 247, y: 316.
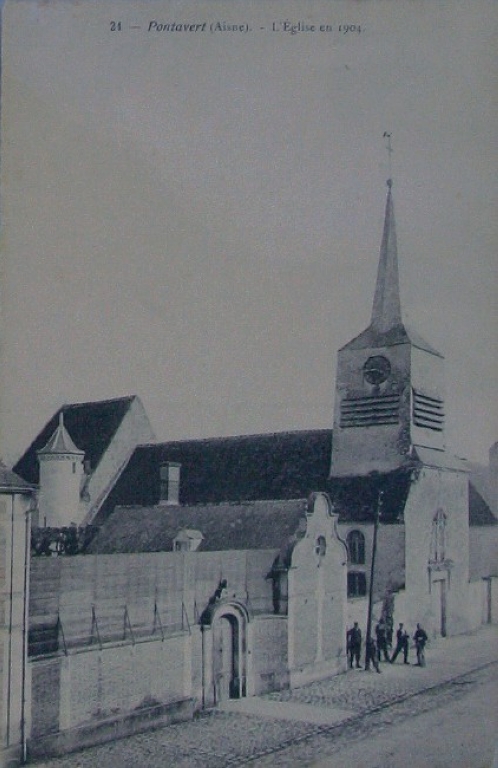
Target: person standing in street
x: 354, y: 645
x: 402, y: 640
x: 381, y: 635
x: 371, y: 654
x: 420, y: 638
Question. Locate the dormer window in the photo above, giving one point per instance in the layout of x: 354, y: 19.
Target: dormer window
x: 187, y: 540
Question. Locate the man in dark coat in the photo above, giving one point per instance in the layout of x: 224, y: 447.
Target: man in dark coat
x: 420, y: 638
x: 402, y: 640
x: 354, y: 645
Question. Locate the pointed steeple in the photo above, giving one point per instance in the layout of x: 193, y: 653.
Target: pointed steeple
x: 386, y: 310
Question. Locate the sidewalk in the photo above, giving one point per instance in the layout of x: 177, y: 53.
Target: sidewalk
x: 339, y: 698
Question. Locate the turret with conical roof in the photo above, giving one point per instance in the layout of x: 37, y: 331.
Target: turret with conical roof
x: 389, y: 388
x: 61, y: 474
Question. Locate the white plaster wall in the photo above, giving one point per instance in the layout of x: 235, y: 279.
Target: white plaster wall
x: 494, y: 600
x: 59, y: 496
x: 134, y: 430
x: 14, y: 589
x: 317, y: 599
x: 483, y: 551
x: 432, y: 490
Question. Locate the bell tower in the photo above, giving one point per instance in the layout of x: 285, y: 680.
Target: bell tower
x: 389, y: 394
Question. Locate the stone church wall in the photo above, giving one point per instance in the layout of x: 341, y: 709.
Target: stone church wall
x: 437, y: 585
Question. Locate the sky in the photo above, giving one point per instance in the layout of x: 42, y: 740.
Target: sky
x: 195, y: 216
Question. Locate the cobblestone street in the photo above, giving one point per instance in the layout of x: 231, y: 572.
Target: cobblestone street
x: 292, y: 727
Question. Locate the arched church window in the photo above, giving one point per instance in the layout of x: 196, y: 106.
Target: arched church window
x: 438, y: 537
x: 356, y: 547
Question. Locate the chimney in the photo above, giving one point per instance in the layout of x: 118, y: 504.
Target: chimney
x: 169, y: 483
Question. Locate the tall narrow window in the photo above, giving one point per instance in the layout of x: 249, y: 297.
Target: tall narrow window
x: 438, y: 537
x: 356, y: 547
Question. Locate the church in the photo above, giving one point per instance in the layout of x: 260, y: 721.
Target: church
x: 232, y: 566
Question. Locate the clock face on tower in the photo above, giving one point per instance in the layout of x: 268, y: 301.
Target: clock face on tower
x: 376, y: 369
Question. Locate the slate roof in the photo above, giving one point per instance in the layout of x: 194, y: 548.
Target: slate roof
x: 249, y: 525
x: 60, y: 442
x: 285, y: 465
x: 90, y: 425
x: 12, y: 483
x: 398, y: 334
x: 479, y: 511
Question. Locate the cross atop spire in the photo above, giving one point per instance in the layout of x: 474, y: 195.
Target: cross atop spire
x: 389, y: 148
x: 386, y: 310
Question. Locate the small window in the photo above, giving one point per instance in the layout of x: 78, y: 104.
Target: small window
x: 321, y: 546
x: 356, y: 547
x: 357, y: 584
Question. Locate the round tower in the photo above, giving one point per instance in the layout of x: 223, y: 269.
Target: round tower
x: 61, y: 474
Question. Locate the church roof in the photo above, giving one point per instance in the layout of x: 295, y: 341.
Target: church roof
x: 479, y: 511
x: 278, y: 466
x: 91, y: 426
x: 60, y: 442
x: 399, y: 334
x: 233, y: 526
x: 386, y: 325
x: 12, y: 483
x: 285, y: 465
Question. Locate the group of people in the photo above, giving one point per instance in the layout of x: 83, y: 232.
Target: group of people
x: 377, y: 649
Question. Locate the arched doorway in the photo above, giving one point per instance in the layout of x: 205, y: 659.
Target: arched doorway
x: 229, y: 654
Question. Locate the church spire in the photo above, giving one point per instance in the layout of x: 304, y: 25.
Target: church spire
x: 386, y: 310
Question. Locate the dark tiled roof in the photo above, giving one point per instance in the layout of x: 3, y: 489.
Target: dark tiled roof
x: 12, y: 483
x: 356, y: 499
x: 250, y: 525
x: 286, y: 465
x: 479, y: 511
x: 90, y: 425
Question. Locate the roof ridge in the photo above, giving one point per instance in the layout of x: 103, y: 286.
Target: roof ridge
x: 227, y: 503
x: 125, y: 398
x: 219, y: 438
